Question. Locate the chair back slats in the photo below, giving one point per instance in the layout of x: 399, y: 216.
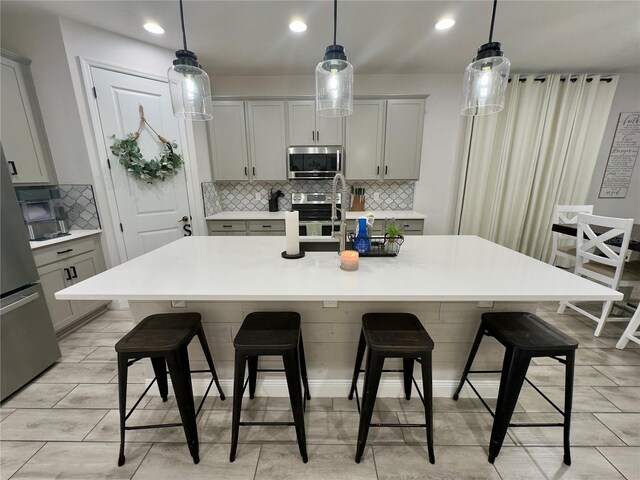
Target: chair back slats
x: 592, y: 247
x: 565, y: 214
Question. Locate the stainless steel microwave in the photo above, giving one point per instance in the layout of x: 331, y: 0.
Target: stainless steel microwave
x: 315, y: 162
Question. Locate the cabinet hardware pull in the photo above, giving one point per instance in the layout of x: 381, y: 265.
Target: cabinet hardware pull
x: 227, y: 226
x: 65, y: 251
x: 378, y: 170
x: 74, y: 273
x: 386, y: 169
x: 245, y: 172
x: 253, y: 169
x: 318, y: 135
x: 66, y: 270
x: 313, y: 135
x: 266, y: 226
x: 13, y: 168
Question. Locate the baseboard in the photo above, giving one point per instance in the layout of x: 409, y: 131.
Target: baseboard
x: 390, y: 388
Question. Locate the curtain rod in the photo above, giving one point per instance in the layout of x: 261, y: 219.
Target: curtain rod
x: 572, y: 80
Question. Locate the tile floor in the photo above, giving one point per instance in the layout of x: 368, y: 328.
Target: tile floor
x: 65, y: 425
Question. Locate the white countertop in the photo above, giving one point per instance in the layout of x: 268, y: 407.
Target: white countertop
x: 263, y: 215
x: 74, y: 235
x: 429, y: 268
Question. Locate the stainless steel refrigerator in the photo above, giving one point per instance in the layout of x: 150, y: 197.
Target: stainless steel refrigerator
x: 28, y: 343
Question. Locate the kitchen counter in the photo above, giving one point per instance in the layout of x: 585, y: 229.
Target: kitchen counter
x: 74, y: 235
x: 429, y: 268
x: 440, y: 279
x: 264, y: 215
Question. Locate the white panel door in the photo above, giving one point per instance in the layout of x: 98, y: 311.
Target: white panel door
x: 365, y: 135
x: 302, y: 122
x: 150, y: 213
x: 229, y: 141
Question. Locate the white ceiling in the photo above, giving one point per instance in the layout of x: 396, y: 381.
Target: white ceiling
x: 252, y: 37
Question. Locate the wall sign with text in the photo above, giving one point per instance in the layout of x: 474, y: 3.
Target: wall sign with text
x: 622, y: 157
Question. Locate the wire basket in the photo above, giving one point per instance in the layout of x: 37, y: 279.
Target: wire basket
x: 381, y: 245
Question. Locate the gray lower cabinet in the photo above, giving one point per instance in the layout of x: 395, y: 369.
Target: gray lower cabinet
x: 408, y: 227
x: 66, y: 264
x: 244, y: 228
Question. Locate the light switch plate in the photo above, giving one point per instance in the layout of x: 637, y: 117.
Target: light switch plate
x: 257, y: 196
x: 179, y: 303
x: 330, y: 304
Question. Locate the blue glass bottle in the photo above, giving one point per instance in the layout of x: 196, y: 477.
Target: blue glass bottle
x: 362, y: 243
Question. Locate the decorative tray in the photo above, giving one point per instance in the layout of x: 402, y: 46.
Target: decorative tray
x: 381, y: 245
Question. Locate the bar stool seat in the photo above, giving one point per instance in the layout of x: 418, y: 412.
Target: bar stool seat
x: 392, y: 335
x: 270, y: 334
x: 164, y: 338
x: 524, y: 336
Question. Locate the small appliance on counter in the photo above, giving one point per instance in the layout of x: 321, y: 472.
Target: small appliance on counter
x: 42, y: 212
x: 273, y: 200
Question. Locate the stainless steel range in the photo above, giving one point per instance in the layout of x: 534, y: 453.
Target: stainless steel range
x: 315, y: 212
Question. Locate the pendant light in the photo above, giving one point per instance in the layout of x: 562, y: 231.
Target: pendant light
x: 334, y: 79
x: 189, y: 84
x: 486, y: 78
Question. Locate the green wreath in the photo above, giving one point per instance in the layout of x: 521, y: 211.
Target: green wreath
x: 130, y: 157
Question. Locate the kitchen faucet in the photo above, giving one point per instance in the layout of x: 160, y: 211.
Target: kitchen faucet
x: 343, y: 210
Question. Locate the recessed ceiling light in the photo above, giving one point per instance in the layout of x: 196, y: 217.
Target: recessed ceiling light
x: 445, y: 23
x: 154, y: 28
x: 297, y: 26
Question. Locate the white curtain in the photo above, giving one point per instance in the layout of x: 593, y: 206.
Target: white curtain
x: 539, y: 151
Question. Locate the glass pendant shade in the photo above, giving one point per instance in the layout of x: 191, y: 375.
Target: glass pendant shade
x: 334, y: 87
x: 190, y: 92
x: 485, y: 85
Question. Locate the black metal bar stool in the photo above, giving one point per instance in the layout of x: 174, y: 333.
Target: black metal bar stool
x: 525, y: 336
x: 392, y: 335
x: 164, y: 339
x: 273, y: 334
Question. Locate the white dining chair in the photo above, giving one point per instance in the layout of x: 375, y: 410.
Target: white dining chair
x: 564, y: 246
x: 631, y: 332
x: 601, y: 263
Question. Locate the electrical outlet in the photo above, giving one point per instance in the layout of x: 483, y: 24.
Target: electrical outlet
x: 330, y: 304
x: 179, y: 303
x: 376, y: 197
x: 485, y: 304
x: 258, y: 196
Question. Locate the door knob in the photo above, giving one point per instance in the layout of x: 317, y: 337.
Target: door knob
x: 184, y: 219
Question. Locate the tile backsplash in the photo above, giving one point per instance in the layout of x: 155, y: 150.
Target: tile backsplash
x: 218, y: 197
x: 79, y: 204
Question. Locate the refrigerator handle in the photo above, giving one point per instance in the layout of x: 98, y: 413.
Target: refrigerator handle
x: 19, y: 303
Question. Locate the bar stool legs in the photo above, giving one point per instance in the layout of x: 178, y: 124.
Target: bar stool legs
x: 238, y: 390
x: 568, y: 403
x: 373, y: 372
x: 292, y: 372
x: 160, y: 370
x: 207, y: 353
x: 407, y: 373
x: 356, y: 369
x: 427, y: 388
x: 122, y: 401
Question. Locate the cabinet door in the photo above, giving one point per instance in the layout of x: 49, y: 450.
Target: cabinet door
x: 229, y: 141
x: 302, y: 122
x: 82, y: 267
x: 23, y: 141
x: 53, y: 278
x: 267, y: 140
x: 403, y: 139
x: 329, y: 130
x: 364, y: 140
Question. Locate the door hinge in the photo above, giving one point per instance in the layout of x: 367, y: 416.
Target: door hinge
x: 121, y: 229
x: 109, y: 164
x: 95, y: 94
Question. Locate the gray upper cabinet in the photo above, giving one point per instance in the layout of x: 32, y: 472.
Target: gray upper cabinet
x: 308, y: 128
x: 364, y: 140
x: 403, y: 139
x: 23, y: 138
x: 228, y: 139
x: 267, y: 140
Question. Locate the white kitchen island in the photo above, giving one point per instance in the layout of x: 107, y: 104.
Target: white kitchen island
x: 447, y: 281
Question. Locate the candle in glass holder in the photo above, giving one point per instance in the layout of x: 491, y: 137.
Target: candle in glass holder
x: 349, y: 260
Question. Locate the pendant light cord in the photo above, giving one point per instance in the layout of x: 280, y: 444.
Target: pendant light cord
x: 335, y: 20
x: 493, y: 19
x: 184, y: 34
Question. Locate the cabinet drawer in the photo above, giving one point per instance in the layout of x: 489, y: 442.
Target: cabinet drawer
x: 266, y: 226
x: 410, y: 225
x: 226, y: 225
x: 64, y: 250
x: 264, y: 233
x: 213, y: 233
